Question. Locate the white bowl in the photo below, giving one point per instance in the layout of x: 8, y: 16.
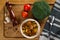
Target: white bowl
x: 38, y: 31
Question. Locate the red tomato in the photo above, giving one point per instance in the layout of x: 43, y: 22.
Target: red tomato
x: 27, y: 7
x: 24, y: 14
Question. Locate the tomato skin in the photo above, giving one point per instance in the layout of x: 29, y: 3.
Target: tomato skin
x: 24, y: 14
x: 27, y: 7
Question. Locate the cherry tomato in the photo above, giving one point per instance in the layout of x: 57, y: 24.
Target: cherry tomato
x: 24, y: 14
x: 27, y: 7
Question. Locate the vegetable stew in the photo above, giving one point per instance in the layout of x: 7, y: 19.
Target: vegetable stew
x: 30, y: 28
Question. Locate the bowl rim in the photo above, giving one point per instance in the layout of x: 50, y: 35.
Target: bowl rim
x: 38, y: 31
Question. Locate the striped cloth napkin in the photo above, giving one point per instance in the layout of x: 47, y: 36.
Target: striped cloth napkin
x: 52, y: 26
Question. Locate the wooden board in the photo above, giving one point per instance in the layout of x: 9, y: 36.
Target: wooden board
x: 10, y: 31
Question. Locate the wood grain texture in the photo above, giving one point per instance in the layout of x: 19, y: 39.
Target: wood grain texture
x: 29, y: 1
x: 2, y: 4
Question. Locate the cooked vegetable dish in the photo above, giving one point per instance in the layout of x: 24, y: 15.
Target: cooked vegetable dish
x: 30, y: 28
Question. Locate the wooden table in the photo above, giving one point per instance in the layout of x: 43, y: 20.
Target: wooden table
x: 2, y: 4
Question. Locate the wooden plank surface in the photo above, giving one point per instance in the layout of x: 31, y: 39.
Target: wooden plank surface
x: 2, y: 4
x: 29, y: 1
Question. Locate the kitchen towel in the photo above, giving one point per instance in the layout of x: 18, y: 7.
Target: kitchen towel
x: 52, y: 32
